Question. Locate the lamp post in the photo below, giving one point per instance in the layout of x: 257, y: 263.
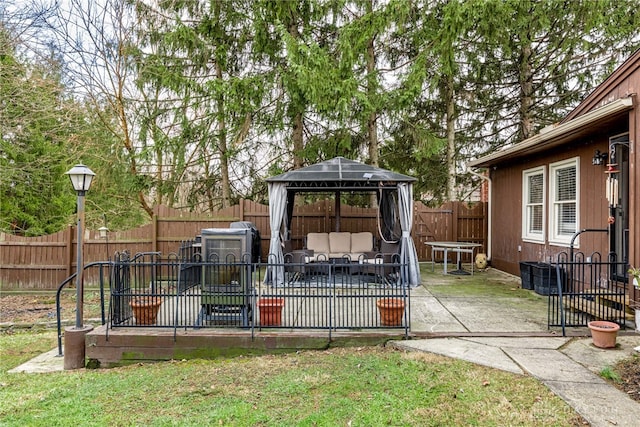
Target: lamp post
x: 104, y: 234
x: 81, y: 177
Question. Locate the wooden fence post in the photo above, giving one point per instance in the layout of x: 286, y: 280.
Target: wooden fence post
x: 154, y: 232
x: 455, y: 213
x: 327, y: 217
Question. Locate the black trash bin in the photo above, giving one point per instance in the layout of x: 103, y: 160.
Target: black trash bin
x: 526, y: 276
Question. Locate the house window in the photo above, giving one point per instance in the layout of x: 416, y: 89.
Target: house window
x: 563, y: 206
x: 533, y: 218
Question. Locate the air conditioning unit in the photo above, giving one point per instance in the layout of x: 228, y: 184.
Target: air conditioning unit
x: 226, y: 275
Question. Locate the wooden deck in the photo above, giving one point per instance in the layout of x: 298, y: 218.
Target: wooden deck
x: 123, y: 346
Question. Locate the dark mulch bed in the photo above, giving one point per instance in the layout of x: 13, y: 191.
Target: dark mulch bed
x: 41, y: 308
x: 628, y: 372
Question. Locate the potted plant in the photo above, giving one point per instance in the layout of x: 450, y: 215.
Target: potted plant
x: 270, y: 311
x: 604, y: 333
x: 635, y: 274
x: 145, y: 308
x: 391, y: 311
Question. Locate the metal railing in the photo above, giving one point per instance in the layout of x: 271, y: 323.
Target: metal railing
x: 584, y: 288
x: 184, y: 291
x: 102, y: 266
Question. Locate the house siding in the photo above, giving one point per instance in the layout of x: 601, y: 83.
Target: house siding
x: 634, y: 194
x: 508, y: 247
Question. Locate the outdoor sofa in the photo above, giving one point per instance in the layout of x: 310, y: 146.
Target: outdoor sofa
x: 354, y: 252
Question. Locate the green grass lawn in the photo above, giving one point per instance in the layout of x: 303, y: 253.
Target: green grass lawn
x: 488, y: 283
x: 368, y: 386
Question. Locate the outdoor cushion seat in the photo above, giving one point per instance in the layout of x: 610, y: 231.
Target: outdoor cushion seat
x: 338, y: 245
x: 382, y: 263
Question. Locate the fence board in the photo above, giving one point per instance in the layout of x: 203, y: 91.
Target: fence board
x: 44, y: 262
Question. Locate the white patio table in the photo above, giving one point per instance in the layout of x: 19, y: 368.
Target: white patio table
x: 458, y: 247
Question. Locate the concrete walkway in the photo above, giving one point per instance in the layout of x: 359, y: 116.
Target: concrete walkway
x: 43, y: 363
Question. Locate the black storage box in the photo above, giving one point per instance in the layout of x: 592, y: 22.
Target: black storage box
x: 525, y: 275
x: 545, y: 278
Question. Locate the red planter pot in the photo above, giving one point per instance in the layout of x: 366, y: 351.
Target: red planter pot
x: 145, y: 309
x: 270, y: 311
x: 604, y: 333
x: 391, y: 311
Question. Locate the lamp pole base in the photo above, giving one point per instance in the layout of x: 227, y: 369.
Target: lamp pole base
x: 74, y: 346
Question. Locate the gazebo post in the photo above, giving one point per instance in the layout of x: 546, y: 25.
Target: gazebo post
x: 337, y: 209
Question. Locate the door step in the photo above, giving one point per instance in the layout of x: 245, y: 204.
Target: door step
x: 600, y: 305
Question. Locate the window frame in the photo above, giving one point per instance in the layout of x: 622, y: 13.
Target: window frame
x: 555, y: 236
x: 527, y: 234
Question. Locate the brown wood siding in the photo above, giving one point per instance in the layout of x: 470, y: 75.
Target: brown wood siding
x: 508, y: 248
x: 634, y: 194
x: 624, y: 82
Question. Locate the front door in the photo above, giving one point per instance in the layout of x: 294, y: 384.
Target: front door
x: 619, y: 201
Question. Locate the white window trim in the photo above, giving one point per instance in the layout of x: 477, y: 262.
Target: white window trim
x: 554, y: 236
x: 527, y: 236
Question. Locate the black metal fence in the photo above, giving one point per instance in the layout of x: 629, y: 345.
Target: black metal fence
x: 586, y: 288
x: 185, y: 291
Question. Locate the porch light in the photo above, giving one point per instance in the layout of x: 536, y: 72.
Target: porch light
x: 104, y: 234
x: 599, y: 158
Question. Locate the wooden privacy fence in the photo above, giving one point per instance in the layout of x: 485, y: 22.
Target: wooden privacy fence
x: 44, y: 262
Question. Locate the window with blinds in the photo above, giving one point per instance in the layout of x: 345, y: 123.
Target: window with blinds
x: 533, y: 204
x: 563, y: 209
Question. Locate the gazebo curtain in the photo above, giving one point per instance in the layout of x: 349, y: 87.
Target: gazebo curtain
x: 278, y: 195
x: 277, y: 208
x: 408, y: 254
x: 390, y: 229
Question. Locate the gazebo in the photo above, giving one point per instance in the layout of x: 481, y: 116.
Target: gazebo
x: 395, y: 195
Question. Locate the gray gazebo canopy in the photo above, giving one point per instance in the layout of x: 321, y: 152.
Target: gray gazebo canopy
x: 340, y: 174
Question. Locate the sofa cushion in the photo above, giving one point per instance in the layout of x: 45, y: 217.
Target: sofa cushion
x: 361, y: 242
x: 324, y: 246
x: 318, y: 243
x: 340, y: 243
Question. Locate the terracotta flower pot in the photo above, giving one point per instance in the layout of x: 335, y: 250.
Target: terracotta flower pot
x: 270, y: 311
x: 604, y: 333
x: 391, y: 311
x: 145, y: 309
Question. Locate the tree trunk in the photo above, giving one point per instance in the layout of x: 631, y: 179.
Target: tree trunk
x: 222, y: 147
x: 298, y: 141
x: 526, y: 93
x: 297, y: 136
x: 128, y: 145
x: 372, y: 120
x: 451, y: 139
